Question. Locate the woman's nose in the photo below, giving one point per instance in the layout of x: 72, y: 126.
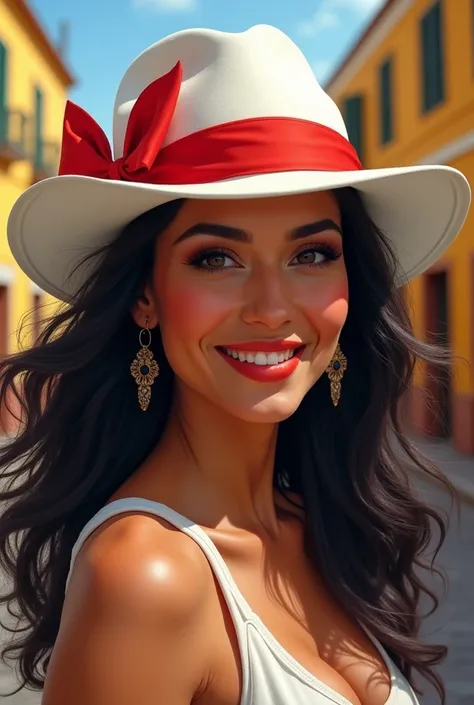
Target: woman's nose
x: 267, y: 300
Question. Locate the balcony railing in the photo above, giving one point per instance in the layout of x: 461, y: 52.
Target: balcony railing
x: 13, y: 126
x: 45, y: 159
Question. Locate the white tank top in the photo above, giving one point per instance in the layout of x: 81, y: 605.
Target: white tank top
x: 270, y: 675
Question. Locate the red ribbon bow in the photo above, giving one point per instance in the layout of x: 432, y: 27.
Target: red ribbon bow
x: 86, y: 150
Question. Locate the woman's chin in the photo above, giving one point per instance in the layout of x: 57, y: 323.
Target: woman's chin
x: 271, y: 410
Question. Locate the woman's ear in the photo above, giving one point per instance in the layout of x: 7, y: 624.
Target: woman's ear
x: 144, y: 312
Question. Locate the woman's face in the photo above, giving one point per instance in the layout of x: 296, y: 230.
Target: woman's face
x: 250, y: 296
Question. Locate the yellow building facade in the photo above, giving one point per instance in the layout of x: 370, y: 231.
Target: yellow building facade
x: 34, y: 82
x: 407, y: 92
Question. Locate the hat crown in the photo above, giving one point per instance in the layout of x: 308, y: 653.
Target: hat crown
x: 227, y: 77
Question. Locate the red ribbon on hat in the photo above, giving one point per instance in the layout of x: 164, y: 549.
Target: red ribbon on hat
x: 241, y: 148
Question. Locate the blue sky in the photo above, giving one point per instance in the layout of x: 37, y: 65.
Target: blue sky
x: 106, y: 35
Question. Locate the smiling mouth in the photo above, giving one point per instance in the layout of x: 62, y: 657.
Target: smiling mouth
x: 260, y: 358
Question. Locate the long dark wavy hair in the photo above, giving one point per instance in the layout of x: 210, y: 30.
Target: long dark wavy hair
x: 82, y: 435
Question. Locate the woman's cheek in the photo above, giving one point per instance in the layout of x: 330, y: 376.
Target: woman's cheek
x: 327, y: 307
x: 191, y: 309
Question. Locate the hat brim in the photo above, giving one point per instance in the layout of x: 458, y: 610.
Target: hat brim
x: 58, y: 221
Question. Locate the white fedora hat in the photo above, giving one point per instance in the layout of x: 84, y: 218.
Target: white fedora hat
x: 207, y: 114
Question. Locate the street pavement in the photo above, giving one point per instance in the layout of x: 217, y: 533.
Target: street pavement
x: 8, y: 681
x: 452, y: 624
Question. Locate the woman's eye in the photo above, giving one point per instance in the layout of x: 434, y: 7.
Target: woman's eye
x: 217, y: 261
x: 213, y: 261
x: 309, y: 257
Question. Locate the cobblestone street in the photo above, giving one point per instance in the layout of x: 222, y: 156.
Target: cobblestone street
x: 453, y: 624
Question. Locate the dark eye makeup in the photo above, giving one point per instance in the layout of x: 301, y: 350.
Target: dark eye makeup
x: 213, y: 259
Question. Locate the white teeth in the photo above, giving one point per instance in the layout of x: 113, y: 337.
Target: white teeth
x: 260, y: 358
x: 272, y: 358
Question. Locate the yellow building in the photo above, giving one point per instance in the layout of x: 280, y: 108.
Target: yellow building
x: 34, y: 81
x: 407, y: 92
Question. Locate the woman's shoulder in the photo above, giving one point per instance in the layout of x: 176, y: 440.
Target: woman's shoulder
x: 138, y: 562
x: 136, y: 608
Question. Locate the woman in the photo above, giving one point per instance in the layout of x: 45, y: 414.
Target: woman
x: 205, y: 504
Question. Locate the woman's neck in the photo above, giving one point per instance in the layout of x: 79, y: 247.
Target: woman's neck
x: 216, y: 467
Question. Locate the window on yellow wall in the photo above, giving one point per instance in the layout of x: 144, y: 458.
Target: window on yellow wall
x: 3, y: 92
x: 385, y: 97
x: 432, y: 57
x: 38, y: 128
x: 353, y: 111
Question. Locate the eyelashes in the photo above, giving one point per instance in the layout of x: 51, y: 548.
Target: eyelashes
x: 218, y: 259
x: 202, y: 259
x: 328, y: 251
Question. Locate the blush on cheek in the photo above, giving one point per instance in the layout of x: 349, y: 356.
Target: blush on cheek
x: 336, y: 312
x: 189, y: 312
x: 328, y: 308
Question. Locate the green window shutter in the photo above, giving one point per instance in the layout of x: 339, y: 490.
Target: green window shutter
x: 3, y: 74
x: 472, y: 34
x: 438, y: 52
x: 354, y: 118
x: 38, y: 127
x: 432, y: 57
x: 3, y: 92
x: 385, y: 88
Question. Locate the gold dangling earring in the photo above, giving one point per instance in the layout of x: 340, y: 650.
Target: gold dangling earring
x: 144, y: 368
x: 335, y: 371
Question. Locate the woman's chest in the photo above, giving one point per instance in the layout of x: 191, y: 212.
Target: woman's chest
x: 299, y: 613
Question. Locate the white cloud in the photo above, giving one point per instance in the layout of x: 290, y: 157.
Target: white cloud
x: 359, y: 6
x: 167, y: 5
x: 324, y: 18
x: 328, y: 15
